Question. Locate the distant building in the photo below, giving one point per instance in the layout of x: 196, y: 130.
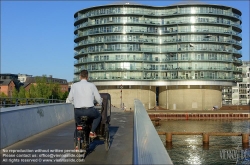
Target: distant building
x: 179, y: 57
x: 8, y: 76
x: 241, y: 92
x: 22, y: 77
x: 13, y: 77
x: 7, y: 86
x: 226, y: 95
x: 10, y: 81
x: 32, y: 80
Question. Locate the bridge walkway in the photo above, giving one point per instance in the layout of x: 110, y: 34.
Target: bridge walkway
x: 60, y: 139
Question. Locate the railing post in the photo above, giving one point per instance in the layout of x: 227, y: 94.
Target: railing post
x: 4, y: 102
x: 16, y: 104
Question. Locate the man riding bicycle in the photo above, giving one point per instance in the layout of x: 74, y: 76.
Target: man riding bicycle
x: 82, y: 95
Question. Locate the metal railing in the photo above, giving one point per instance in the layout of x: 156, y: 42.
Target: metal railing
x: 11, y: 102
x: 180, y: 78
x: 158, y: 41
x: 143, y: 22
x: 154, y: 50
x: 152, y: 12
x: 148, y: 147
x: 200, y: 30
x: 157, y: 60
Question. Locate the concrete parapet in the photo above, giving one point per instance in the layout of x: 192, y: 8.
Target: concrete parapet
x: 18, y: 123
x: 148, y: 147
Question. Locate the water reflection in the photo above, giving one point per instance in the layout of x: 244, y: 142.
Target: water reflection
x: 189, y: 149
x: 193, y: 157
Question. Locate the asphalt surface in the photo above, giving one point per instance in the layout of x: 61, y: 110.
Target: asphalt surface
x: 55, y: 145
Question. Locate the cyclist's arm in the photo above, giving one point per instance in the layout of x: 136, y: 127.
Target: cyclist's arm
x: 70, y: 98
x: 97, y: 95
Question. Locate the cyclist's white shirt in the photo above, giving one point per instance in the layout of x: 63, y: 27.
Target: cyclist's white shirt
x: 83, y: 93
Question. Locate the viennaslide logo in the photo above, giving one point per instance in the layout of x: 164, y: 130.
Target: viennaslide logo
x: 241, y: 156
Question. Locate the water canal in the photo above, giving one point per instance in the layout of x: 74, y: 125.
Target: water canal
x: 188, y: 149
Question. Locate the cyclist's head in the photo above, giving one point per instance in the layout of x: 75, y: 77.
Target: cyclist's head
x: 84, y: 74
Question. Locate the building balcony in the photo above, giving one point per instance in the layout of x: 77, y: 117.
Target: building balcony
x: 135, y: 78
x: 159, y: 23
x: 238, y: 62
x: 162, y: 69
x: 108, y: 59
x: 155, y: 50
x: 157, y: 13
x: 155, y: 41
x: 144, y: 31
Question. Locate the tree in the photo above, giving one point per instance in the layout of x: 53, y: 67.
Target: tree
x: 27, y: 93
x: 32, y: 91
x: 3, y: 95
x: 15, y: 93
x: 56, y: 92
x: 43, y: 89
x: 65, y: 95
x: 21, y: 93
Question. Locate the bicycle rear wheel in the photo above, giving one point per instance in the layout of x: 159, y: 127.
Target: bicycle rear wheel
x: 79, y: 145
x: 75, y: 139
x: 107, y: 138
x: 85, y: 144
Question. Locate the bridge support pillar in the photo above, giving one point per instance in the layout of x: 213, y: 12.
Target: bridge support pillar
x: 168, y: 137
x: 245, y: 141
x: 205, y: 139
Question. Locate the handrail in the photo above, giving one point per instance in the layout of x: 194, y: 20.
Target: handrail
x: 148, y: 147
x: 11, y: 101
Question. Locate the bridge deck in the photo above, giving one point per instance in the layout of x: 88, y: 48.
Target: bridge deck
x: 60, y: 139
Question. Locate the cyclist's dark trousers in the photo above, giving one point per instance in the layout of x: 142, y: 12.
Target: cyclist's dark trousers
x: 90, y: 112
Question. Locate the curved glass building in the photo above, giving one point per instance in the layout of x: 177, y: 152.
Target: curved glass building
x: 177, y: 57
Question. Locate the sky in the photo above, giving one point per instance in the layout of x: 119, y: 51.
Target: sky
x: 37, y: 37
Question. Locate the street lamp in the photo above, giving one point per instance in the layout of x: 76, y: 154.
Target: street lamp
x: 121, y: 97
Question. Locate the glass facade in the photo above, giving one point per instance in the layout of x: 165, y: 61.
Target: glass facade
x: 131, y: 42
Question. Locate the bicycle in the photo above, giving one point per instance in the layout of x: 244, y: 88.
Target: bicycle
x: 81, y: 135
